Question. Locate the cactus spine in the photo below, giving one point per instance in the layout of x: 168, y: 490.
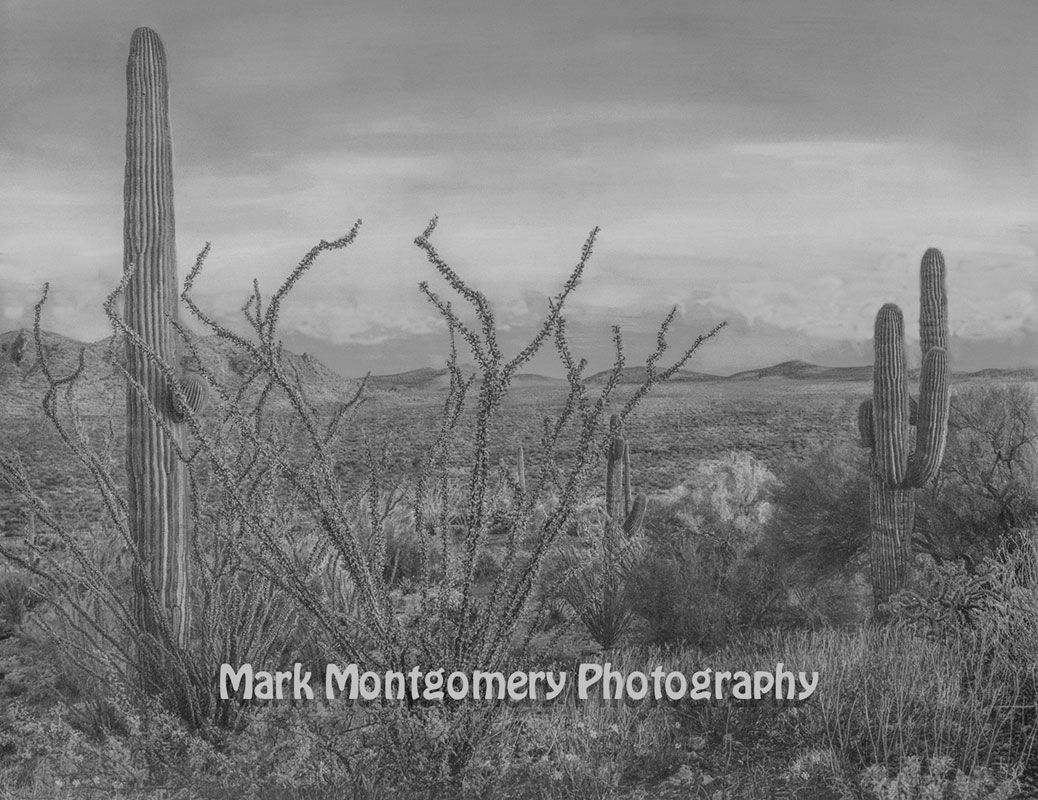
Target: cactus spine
x: 157, y: 488
x: 885, y: 423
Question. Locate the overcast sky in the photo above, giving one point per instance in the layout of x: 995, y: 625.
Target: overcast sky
x: 780, y: 164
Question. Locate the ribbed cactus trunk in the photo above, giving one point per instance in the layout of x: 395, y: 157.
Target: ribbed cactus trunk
x: 886, y: 420
x: 157, y: 488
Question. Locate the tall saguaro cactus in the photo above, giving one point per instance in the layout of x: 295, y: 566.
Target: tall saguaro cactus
x: 886, y: 420
x: 157, y: 490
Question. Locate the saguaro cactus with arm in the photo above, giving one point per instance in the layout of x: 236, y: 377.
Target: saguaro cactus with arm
x: 157, y: 489
x: 885, y: 425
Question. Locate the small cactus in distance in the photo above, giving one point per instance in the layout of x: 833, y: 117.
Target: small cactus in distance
x: 621, y: 509
x: 885, y: 421
x: 520, y: 468
x: 599, y: 590
x: 18, y: 348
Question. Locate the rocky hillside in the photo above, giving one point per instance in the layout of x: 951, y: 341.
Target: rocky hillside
x: 101, y: 388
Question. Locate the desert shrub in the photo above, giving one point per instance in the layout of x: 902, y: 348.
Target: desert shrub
x: 704, y: 572
x: 598, y: 587
x: 818, y: 536
x: 841, y: 601
x: 43, y: 751
x: 938, y: 779
x: 988, y: 483
x: 386, y: 521
x: 403, y: 558
x: 240, y: 365
x: 884, y: 695
x: 679, y: 593
x: 488, y: 567
x: 892, y: 694
x: 732, y: 494
x: 991, y: 613
x: 820, y: 527
x: 1001, y: 592
x: 19, y: 595
x: 285, y: 751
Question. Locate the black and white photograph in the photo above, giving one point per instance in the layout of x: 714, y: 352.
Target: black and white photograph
x: 482, y: 399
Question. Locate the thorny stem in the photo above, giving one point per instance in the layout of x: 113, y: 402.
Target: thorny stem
x: 248, y: 459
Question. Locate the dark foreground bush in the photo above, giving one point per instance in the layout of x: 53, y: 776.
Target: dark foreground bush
x: 704, y: 573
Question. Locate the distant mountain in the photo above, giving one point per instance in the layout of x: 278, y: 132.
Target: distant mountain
x: 1022, y: 374
x: 793, y: 370
x: 424, y: 378
x: 418, y: 379
x: 431, y: 378
x: 102, y: 389
x: 533, y: 379
x: 637, y: 375
x: 802, y: 370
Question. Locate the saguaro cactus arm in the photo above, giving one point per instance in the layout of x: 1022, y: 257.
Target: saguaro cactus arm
x: 934, y: 389
x: 932, y: 426
x: 195, y: 391
x: 933, y: 302
x: 636, y: 517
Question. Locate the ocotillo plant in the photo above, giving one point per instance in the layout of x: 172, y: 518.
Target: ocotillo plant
x: 885, y: 425
x: 157, y: 492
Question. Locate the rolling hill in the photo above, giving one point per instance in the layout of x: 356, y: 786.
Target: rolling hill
x: 101, y: 387
x: 22, y: 382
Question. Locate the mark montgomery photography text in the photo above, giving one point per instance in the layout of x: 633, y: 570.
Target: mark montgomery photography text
x: 598, y: 680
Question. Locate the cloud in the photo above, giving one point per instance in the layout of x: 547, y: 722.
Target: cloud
x: 783, y: 163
